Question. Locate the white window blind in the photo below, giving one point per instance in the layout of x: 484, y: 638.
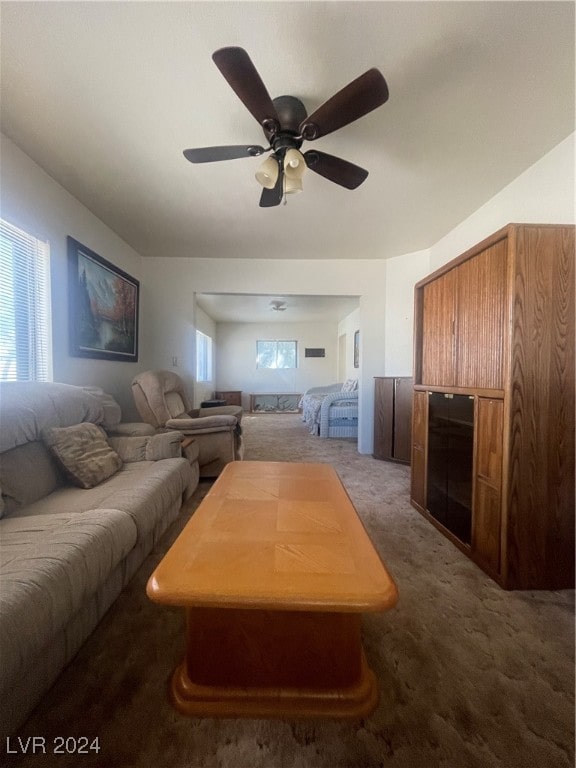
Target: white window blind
x: 25, y: 348
x: 203, y: 357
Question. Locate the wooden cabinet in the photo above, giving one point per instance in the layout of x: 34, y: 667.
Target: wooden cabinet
x: 462, y: 322
x: 497, y: 325
x: 232, y: 397
x: 392, y: 418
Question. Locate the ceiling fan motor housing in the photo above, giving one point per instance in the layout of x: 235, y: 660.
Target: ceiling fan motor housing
x: 291, y: 112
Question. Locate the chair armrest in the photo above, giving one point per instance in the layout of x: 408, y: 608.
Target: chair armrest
x: 203, y: 424
x: 336, y: 397
x: 166, y: 445
x: 130, y: 429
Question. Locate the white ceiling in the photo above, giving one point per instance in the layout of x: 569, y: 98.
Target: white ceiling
x: 241, y: 308
x: 105, y: 96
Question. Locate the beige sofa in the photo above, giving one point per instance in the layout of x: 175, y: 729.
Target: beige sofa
x: 66, y: 552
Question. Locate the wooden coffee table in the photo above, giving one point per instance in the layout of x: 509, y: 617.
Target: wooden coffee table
x: 274, y: 570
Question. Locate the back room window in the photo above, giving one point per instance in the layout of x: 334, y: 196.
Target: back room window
x: 276, y: 354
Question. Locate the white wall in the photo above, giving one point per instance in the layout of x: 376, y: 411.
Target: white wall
x: 237, y: 357
x: 347, y: 327
x: 402, y: 273
x: 543, y: 194
x: 204, y: 390
x: 34, y: 202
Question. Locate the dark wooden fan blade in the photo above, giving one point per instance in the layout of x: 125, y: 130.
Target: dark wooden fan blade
x: 214, y: 154
x: 335, y: 169
x: 271, y: 197
x: 242, y: 76
x: 359, y: 97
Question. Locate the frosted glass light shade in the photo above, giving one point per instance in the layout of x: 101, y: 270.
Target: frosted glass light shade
x: 267, y: 173
x: 294, y: 169
x: 291, y: 186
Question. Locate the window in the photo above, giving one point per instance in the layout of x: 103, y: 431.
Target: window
x: 25, y: 342
x: 276, y: 354
x: 203, y: 357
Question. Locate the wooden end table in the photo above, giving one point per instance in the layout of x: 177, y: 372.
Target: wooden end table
x: 274, y: 570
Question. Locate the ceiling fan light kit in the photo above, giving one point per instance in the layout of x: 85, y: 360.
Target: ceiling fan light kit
x: 267, y: 173
x: 286, y: 125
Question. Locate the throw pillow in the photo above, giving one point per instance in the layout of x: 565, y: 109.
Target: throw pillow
x: 350, y: 385
x: 83, y: 453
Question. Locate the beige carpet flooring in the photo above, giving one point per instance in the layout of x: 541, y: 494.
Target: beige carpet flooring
x: 471, y: 676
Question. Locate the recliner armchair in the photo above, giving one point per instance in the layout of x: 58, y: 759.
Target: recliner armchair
x: 162, y: 401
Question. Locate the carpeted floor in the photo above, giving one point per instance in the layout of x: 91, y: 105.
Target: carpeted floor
x: 471, y: 676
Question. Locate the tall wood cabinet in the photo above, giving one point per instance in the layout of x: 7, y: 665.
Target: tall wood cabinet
x: 392, y: 418
x: 495, y: 328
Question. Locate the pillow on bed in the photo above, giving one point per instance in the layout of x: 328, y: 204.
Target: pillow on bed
x: 83, y: 454
x: 350, y: 385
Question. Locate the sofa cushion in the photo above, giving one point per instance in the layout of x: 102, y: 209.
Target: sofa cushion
x: 350, y: 385
x: 49, y: 567
x: 147, y: 447
x: 27, y: 473
x: 28, y: 407
x: 83, y: 453
x: 144, y: 490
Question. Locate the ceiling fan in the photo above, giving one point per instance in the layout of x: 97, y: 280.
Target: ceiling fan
x: 287, y: 125
x: 278, y: 305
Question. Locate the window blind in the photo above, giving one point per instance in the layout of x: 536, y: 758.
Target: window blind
x: 25, y: 349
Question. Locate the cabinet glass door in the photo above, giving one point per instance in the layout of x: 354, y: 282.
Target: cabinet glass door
x: 450, y: 455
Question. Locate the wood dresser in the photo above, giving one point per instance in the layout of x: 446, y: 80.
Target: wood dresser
x: 231, y: 396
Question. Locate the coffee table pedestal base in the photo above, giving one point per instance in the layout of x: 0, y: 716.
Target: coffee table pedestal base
x: 263, y: 664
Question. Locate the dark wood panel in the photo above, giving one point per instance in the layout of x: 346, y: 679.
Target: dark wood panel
x: 487, y: 525
x: 489, y: 431
x: 403, y: 392
x: 480, y: 318
x: 419, y: 440
x: 383, y: 417
x: 438, y: 311
x: 392, y: 418
x: 541, y: 459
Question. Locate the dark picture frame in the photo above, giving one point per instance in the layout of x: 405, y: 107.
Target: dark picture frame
x: 356, y: 349
x: 103, y: 302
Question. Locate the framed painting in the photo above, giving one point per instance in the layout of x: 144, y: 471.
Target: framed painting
x: 356, y: 349
x: 103, y: 307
